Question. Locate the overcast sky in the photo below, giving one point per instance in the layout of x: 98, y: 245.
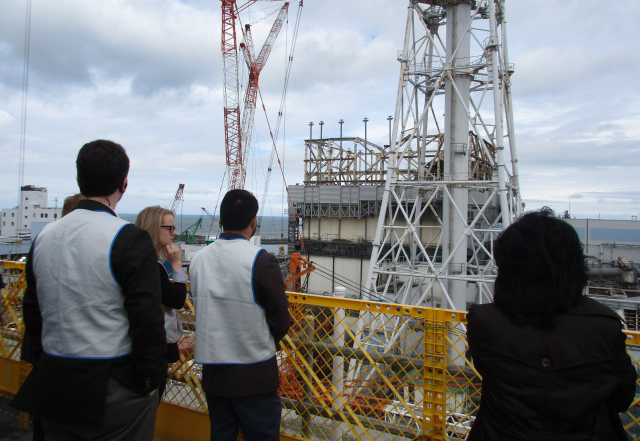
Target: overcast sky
x: 148, y: 74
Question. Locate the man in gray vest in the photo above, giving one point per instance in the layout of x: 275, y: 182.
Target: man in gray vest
x: 92, y: 314
x: 241, y: 316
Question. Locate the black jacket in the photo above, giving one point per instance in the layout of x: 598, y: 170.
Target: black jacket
x: 567, y: 383
x: 74, y: 390
x: 174, y: 294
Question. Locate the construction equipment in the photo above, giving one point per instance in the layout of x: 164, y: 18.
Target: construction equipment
x: 176, y: 200
x: 237, y: 132
x: 298, y: 267
x: 189, y: 236
x: 213, y: 219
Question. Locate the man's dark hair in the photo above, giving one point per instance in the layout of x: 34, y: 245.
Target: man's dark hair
x: 237, y: 209
x: 541, y: 269
x: 102, y: 166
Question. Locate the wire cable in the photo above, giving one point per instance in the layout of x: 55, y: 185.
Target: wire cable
x: 347, y: 283
x: 23, y: 117
x: 282, y: 108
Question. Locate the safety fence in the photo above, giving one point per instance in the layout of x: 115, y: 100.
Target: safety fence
x: 350, y: 370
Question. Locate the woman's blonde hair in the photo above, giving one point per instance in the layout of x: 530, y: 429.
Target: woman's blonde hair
x: 150, y: 219
x: 70, y: 203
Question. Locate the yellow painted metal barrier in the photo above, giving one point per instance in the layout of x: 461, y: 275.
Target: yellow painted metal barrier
x: 349, y: 369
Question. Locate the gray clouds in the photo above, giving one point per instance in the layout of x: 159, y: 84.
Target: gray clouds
x: 148, y: 74
x: 140, y: 46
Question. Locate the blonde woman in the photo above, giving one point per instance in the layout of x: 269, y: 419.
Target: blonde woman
x: 161, y: 226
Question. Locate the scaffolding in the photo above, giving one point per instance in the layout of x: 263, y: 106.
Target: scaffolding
x: 344, y: 161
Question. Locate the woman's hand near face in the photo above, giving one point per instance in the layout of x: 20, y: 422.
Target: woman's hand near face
x: 172, y: 253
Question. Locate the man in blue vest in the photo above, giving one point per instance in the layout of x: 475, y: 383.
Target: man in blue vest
x: 241, y: 316
x: 92, y: 314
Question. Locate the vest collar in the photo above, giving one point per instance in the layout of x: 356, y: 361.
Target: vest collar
x: 231, y: 236
x: 88, y: 204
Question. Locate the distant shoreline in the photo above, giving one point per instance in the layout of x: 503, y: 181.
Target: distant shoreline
x: 271, y: 227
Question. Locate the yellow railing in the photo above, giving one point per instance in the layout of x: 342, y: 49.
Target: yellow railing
x: 349, y: 369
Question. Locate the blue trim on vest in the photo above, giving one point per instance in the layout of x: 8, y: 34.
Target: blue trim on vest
x: 72, y: 357
x: 236, y: 364
x: 253, y: 288
x: 111, y: 251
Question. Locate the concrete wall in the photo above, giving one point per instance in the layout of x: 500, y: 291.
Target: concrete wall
x: 337, y: 271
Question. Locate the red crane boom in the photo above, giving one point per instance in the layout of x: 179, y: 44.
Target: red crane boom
x: 237, y: 136
x: 177, y: 198
x: 255, y: 67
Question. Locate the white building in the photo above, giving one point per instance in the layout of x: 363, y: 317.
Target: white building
x: 608, y: 240
x: 31, y: 215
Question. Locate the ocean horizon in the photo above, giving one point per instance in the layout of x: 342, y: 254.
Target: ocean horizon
x: 271, y: 227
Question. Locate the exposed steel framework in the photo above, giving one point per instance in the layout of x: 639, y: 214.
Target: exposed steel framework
x: 452, y: 178
x: 344, y: 161
x: 237, y: 130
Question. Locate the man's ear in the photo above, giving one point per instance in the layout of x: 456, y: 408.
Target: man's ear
x: 124, y: 185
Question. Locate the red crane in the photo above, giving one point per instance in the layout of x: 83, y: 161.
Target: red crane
x: 237, y: 131
x: 177, y: 199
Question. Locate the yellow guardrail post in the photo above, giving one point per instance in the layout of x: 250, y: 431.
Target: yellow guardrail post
x: 337, y: 374
x: 435, y: 358
x: 306, y: 400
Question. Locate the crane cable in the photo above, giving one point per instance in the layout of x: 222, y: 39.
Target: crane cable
x: 284, y: 179
x: 23, y: 123
x: 274, y: 150
x: 329, y: 274
x: 217, y: 201
x: 248, y: 148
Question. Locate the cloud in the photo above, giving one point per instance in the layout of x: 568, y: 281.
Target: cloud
x: 76, y: 43
x: 148, y: 74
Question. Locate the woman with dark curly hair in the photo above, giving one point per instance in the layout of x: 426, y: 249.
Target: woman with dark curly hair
x: 553, y: 362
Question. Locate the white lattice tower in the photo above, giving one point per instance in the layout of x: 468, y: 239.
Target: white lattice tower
x: 452, y: 181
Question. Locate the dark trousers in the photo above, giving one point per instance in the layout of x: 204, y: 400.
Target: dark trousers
x: 258, y: 416
x: 128, y: 416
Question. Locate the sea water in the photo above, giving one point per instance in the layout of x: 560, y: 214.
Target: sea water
x: 271, y: 227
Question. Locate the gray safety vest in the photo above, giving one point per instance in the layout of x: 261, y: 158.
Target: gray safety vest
x: 231, y: 327
x: 81, y: 302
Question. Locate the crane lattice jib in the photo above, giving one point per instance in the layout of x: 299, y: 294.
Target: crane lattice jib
x: 177, y: 199
x: 255, y: 68
x: 233, y: 135
x: 231, y: 96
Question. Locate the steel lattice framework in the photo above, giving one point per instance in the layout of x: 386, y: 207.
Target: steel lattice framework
x: 231, y: 93
x: 329, y: 162
x: 452, y: 180
x: 237, y: 131
x: 176, y: 199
